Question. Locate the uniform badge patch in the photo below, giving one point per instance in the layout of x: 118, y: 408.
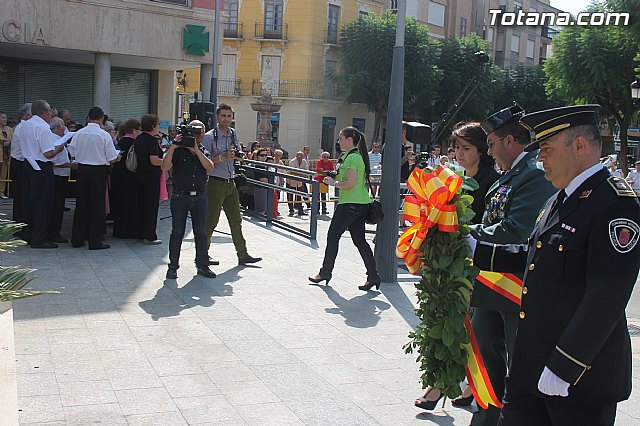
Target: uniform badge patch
x: 624, y: 234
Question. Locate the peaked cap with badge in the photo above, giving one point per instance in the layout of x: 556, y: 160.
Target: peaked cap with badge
x: 547, y: 123
x: 503, y: 117
x: 580, y: 264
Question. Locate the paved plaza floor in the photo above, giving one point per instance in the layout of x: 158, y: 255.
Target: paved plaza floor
x: 256, y: 345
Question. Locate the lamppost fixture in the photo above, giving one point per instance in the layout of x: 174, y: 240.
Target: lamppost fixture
x: 635, y: 91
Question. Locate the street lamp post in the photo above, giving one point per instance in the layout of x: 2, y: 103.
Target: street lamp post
x: 387, y: 232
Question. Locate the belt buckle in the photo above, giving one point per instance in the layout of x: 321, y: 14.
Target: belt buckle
x: 193, y: 192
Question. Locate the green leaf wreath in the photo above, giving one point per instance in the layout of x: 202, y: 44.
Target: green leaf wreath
x: 443, y: 300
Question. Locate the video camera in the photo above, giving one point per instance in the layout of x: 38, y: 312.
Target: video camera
x: 188, y: 135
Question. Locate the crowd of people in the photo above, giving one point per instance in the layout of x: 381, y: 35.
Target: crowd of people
x: 545, y: 203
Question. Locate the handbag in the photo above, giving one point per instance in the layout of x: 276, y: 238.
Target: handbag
x: 131, y: 161
x: 375, y: 215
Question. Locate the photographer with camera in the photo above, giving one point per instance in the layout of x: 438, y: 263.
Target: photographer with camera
x: 221, y: 186
x: 190, y: 164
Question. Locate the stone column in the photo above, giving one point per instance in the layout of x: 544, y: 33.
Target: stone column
x: 206, y: 70
x: 102, y: 81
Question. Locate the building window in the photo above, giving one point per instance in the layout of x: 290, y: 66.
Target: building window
x: 332, y: 28
x: 231, y: 26
x: 362, y: 13
x: 515, y: 43
x: 436, y: 14
x: 393, y: 5
x: 463, y: 27
x: 273, y: 12
x: 359, y: 123
x: 490, y: 34
x: 530, y: 46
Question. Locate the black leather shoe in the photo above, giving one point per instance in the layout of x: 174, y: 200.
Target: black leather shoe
x: 100, y: 247
x: 172, y: 274
x: 249, y: 259
x: 319, y: 278
x: 206, y: 272
x: 58, y: 239
x: 45, y: 245
x: 77, y: 244
x: 214, y: 262
x: 370, y: 284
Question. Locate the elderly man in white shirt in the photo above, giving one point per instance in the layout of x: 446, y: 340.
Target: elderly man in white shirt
x: 634, y: 178
x: 17, y: 171
x: 94, y: 151
x: 37, y: 144
x: 62, y: 166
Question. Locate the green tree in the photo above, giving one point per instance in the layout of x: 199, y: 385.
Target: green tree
x: 596, y: 64
x: 525, y: 84
x: 366, y: 56
x: 458, y: 64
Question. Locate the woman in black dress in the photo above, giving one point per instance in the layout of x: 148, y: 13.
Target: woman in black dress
x: 149, y: 154
x: 123, y: 193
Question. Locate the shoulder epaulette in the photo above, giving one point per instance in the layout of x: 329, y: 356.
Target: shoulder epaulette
x: 621, y: 187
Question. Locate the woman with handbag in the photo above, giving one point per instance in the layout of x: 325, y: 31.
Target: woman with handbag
x: 353, y: 207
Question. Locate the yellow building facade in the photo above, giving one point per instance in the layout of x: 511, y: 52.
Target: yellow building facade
x: 290, y: 49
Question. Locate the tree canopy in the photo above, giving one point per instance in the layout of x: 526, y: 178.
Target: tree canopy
x: 596, y: 64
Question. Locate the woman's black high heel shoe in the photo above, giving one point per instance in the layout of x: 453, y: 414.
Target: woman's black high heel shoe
x: 370, y: 284
x: 429, y: 405
x: 464, y: 401
x: 318, y: 279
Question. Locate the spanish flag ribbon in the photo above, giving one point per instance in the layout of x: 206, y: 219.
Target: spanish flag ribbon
x: 477, y: 375
x: 507, y: 285
x: 426, y: 208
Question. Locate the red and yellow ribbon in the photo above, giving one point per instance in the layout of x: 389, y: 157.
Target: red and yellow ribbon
x: 427, y: 207
x: 477, y: 375
x: 507, y: 285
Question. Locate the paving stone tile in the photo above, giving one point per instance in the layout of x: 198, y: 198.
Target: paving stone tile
x: 45, y: 408
x: 203, y: 409
x: 273, y: 413
x: 229, y: 371
x: 64, y: 336
x: 145, y: 401
x: 61, y: 353
x: 101, y: 414
x: 133, y: 378
x: 160, y: 419
x: 86, y: 393
x: 125, y: 359
x: 83, y: 371
x: 34, y: 364
x: 236, y: 393
x: 190, y: 385
x: 37, y: 384
x: 172, y: 366
x: 341, y: 373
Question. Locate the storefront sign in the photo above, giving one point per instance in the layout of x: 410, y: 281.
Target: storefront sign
x: 195, y: 40
x: 24, y: 32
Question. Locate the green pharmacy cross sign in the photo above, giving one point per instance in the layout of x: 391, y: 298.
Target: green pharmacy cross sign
x: 195, y: 40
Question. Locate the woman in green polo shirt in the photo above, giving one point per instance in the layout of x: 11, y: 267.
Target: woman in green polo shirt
x: 353, y: 206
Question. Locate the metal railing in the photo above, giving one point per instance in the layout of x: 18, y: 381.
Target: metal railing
x: 233, y: 30
x: 304, y: 176
x: 271, y: 31
x: 229, y: 86
x: 296, y: 89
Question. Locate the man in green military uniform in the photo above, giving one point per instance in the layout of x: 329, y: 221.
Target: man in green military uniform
x: 572, y: 356
x: 511, y: 207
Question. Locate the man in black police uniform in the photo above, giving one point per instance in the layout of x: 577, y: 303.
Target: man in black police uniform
x: 190, y: 166
x: 512, y: 204
x: 572, y: 358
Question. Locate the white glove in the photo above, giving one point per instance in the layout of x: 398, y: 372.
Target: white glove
x: 552, y: 385
x: 472, y: 245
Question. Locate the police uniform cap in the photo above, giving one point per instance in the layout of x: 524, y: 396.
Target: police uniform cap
x: 637, y: 162
x: 547, y: 123
x: 501, y: 118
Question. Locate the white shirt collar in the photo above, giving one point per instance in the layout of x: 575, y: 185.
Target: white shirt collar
x: 518, y: 158
x: 581, y: 178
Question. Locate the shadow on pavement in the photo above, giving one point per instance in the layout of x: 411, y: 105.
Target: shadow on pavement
x: 359, y: 312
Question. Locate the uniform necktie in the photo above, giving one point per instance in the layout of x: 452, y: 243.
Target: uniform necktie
x: 556, y: 204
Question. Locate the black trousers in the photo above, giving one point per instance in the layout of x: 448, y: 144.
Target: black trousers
x: 533, y: 410
x: 496, y: 335
x: 149, y: 193
x: 17, y: 190
x: 348, y: 216
x: 89, y: 218
x: 57, y: 214
x: 39, y: 186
